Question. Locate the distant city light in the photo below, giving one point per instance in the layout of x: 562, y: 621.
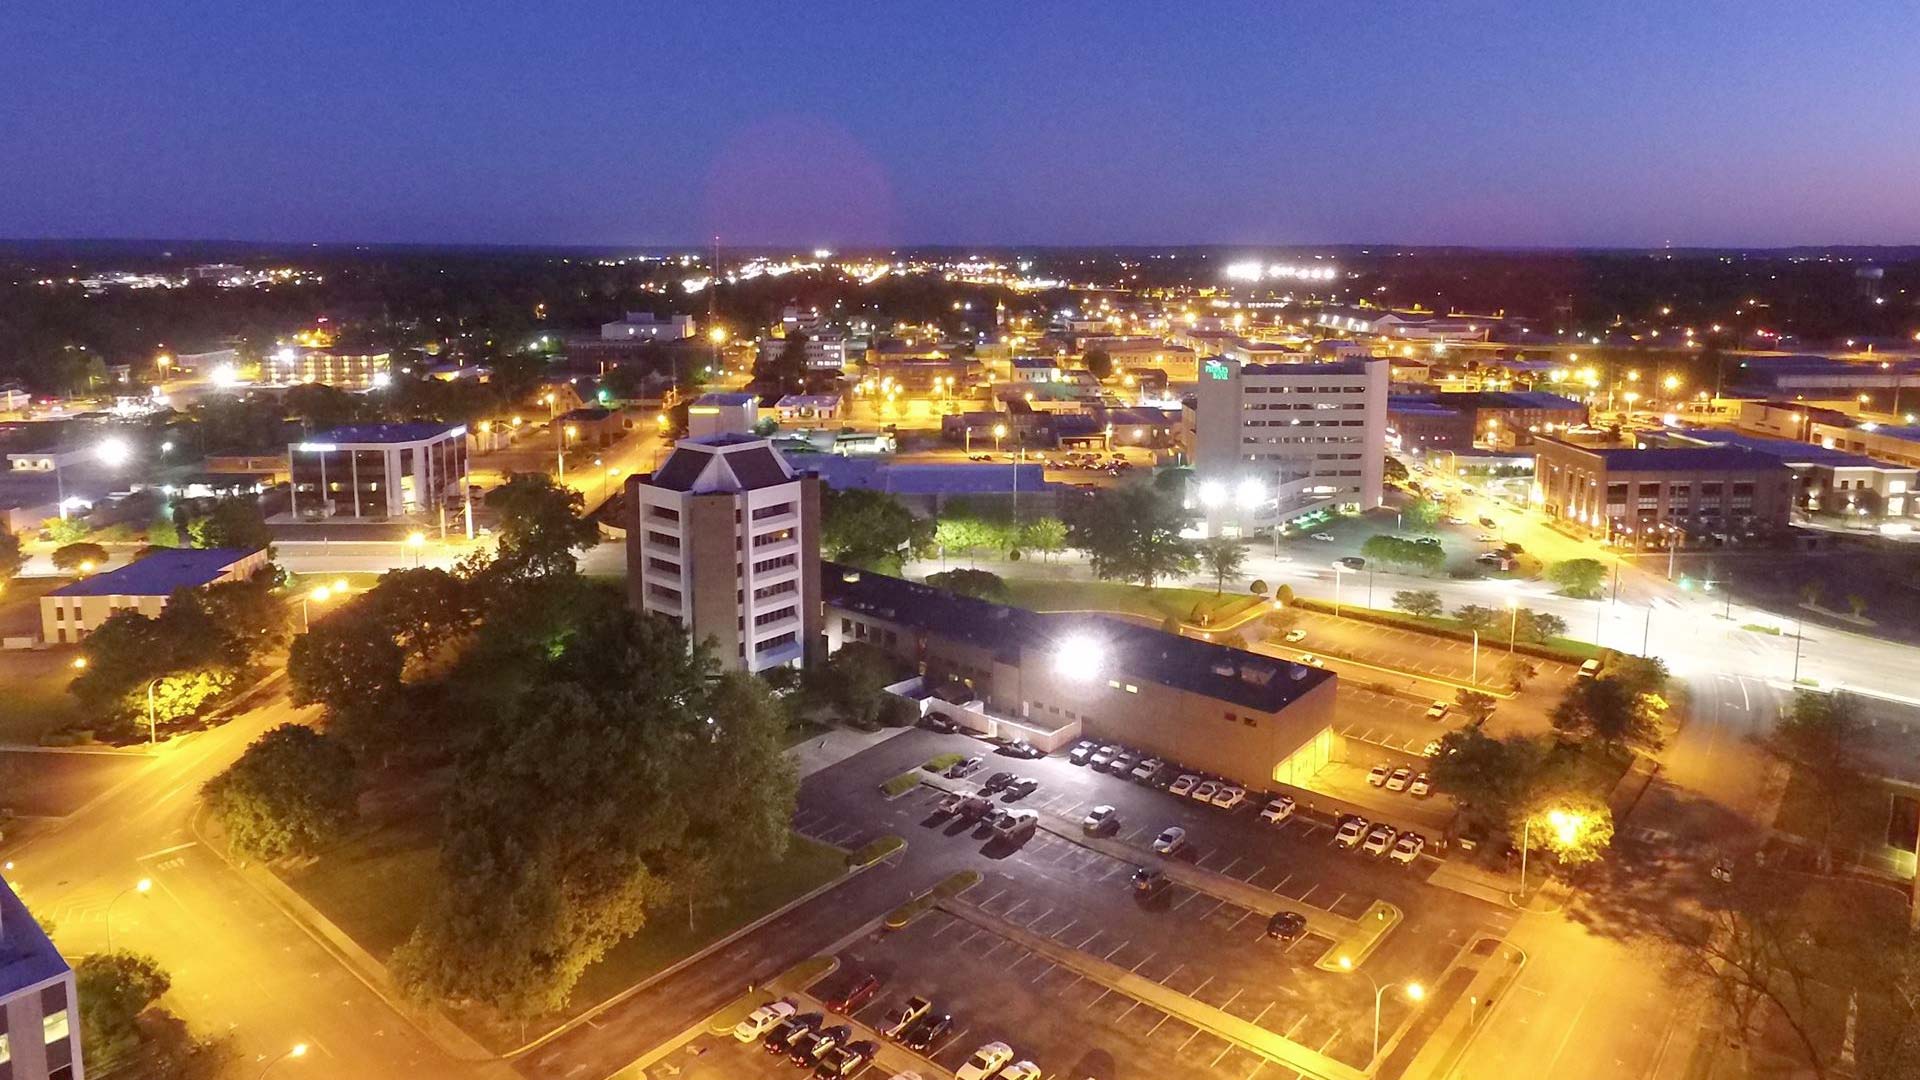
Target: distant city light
x: 113, y: 452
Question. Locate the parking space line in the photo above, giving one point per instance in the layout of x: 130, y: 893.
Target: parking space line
x: 1257, y: 871
x: 1301, y: 1019
x: 1127, y: 1011
x: 1201, y: 862
x: 1083, y: 945
x: 1071, y: 923
x: 1164, y: 1017
x: 1195, y: 992
x: 1214, y: 908
x: 1009, y: 912
x: 946, y: 926
x: 995, y: 896
x: 1224, y: 1051
x: 1243, y: 918
x: 1135, y: 969
x: 1116, y: 949
x: 1098, y: 1000
x: 1183, y: 900
x: 1230, y: 1000
x: 1303, y: 896
x: 1277, y: 886
x: 1044, y: 972
x: 1190, y: 1038
x: 1336, y: 901
x: 994, y: 949
x: 1228, y: 869
x: 976, y: 933
x: 1257, y: 1066
x: 1048, y: 912
x: 1257, y: 1016
x: 1171, y: 974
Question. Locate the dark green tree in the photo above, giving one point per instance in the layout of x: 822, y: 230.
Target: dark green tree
x: 293, y: 792
x: 540, y: 526
x: 115, y: 988
x: 1223, y: 556
x: 783, y: 371
x: 983, y: 584
x: 350, y: 663
x: 11, y: 557
x: 1100, y: 363
x: 1578, y: 577
x: 235, y: 522
x: 1822, y: 737
x: 1422, y: 602
x: 1492, y: 776
x: 853, y: 680
x: 870, y: 529
x: 1606, y: 710
x: 82, y: 556
x: 1421, y: 515
x: 1132, y: 533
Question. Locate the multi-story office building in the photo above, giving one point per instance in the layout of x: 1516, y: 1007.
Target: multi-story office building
x: 1272, y: 442
x: 1659, y: 495
x: 725, y: 540
x: 378, y: 472
x: 346, y: 369
x: 39, y: 1008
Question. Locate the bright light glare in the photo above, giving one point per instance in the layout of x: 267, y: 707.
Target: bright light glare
x: 1415, y: 991
x: 113, y: 452
x: 1566, y: 826
x: 1078, y: 657
x: 143, y: 885
x: 1212, y: 494
x: 1250, y: 494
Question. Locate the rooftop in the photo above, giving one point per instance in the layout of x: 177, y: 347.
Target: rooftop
x: 27, y: 958
x: 1218, y: 671
x: 722, y: 463
x: 1787, y: 450
x: 160, y: 573
x: 955, y: 478
x: 1677, y: 458
x: 384, y: 434
x: 726, y: 397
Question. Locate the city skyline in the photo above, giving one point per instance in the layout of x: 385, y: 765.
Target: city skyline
x: 1518, y: 127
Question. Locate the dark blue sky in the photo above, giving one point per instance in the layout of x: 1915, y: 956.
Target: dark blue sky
x: 644, y: 123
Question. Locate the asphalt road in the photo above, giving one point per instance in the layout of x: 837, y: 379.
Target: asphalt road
x: 240, y: 968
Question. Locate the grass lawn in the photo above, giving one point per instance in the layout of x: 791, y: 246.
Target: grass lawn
x: 376, y: 885
x: 36, y: 699
x: 1187, y: 605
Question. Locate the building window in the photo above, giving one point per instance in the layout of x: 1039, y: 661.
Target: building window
x: 771, y: 617
x: 664, y: 513
x: 775, y: 563
x: 776, y: 510
x: 663, y: 539
x: 778, y: 536
x: 662, y: 592
x: 663, y: 566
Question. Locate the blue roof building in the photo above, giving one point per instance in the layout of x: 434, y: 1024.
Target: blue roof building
x: 71, y: 612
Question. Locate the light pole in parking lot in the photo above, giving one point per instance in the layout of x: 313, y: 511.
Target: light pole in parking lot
x: 1414, y: 991
x: 1475, y: 677
x: 1337, y: 571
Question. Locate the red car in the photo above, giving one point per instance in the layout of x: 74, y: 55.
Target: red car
x: 858, y: 994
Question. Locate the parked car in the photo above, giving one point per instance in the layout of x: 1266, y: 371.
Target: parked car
x: 928, y: 1031
x: 1228, y: 798
x: 761, y: 1020
x: 1016, y: 825
x: 1487, y: 538
x: 1101, y: 819
x: 1278, y: 809
x: 1102, y: 756
x: 952, y: 803
x: 1353, y: 829
x: 1377, y: 776
x: 1121, y: 765
x: 1296, y: 634
x: 1398, y: 781
x: 906, y: 1074
x: 807, y: 1049
x: 1021, y: 748
x: 1149, y: 883
x: 903, y: 1016
x: 975, y: 807
x: 1023, y: 787
x: 940, y: 722
x: 1438, y: 710
x: 1311, y: 660
x: 859, y: 993
x: 1589, y: 669
x: 1081, y: 754
x: 843, y: 1061
x: 1379, y: 840
x: 985, y: 1062
x: 1432, y: 749
x: 780, y: 1038
x: 1353, y: 562
x: 1171, y: 840
x: 1183, y: 784
x: 1407, y: 848
x: 1421, y: 787
x: 1145, y: 770
x: 963, y: 767
x: 1204, y: 790
x: 1021, y: 1070
x: 1456, y: 519
x: 1286, y: 925
x: 996, y: 782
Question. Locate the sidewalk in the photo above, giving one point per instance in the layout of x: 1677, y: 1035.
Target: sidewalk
x: 836, y: 745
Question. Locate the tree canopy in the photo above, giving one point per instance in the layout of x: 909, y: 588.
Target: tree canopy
x: 540, y: 526
x: 1132, y: 533
x: 1610, y: 711
x: 292, y: 792
x: 1223, y: 556
x: 1425, y: 555
x: 235, y: 522
x: 982, y: 584
x: 1422, y: 602
x: 870, y: 529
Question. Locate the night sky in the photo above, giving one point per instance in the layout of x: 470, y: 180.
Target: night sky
x: 1543, y: 123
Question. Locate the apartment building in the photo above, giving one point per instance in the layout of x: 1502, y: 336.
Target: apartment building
x: 39, y: 1005
x: 341, y: 368
x: 1272, y: 442
x: 725, y: 540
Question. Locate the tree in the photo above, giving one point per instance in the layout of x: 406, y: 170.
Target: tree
x: 1047, y: 535
x: 779, y: 373
x: 854, y: 680
x: 82, y: 556
x: 422, y: 608
x: 633, y: 777
x: 540, y: 526
x: 350, y: 663
x: 962, y: 535
x: 1426, y: 555
x: 1640, y: 674
x: 184, y: 694
x: 292, y: 792
x: 1821, y: 737
x: 11, y: 558
x: 1475, y: 704
x: 64, y: 530
x: 983, y: 584
x: 1100, y: 363
x: 1857, y: 604
x: 1421, y: 515
x: 1574, y: 826
x: 1479, y: 617
x: 1492, y: 776
x: 870, y: 529
x: 1578, y: 577
x: 1132, y: 533
x: 1223, y: 556
x: 1258, y: 587
x: 321, y: 406
x: 115, y: 988
x: 1537, y: 626
x: 1424, y: 603
x: 1607, y: 710
x: 162, y: 532
x: 1283, y: 594
x: 1393, y: 471
x: 232, y: 523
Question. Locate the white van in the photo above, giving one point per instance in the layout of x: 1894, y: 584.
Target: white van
x: 1590, y: 669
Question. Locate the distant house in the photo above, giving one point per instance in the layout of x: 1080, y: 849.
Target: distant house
x: 802, y: 408
x: 646, y: 325
x: 595, y: 426
x: 71, y: 612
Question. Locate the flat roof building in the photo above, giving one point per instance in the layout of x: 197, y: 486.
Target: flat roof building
x: 39, y: 1003
x: 645, y: 325
x: 1053, y: 678
x: 346, y: 369
x: 71, y: 612
x: 382, y: 472
x: 1656, y: 496
x: 722, y: 412
x: 725, y: 541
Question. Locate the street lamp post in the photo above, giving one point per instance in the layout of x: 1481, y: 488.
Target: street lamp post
x: 141, y: 886
x: 1475, y: 677
x: 1338, y: 571
x: 1797, y: 624
x: 1414, y: 991
x: 152, y: 739
x: 318, y: 595
x: 1513, y: 622
x: 416, y: 540
x: 297, y: 1050
x: 999, y: 432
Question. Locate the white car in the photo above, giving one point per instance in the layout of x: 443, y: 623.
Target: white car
x: 1183, y: 784
x: 1277, y: 810
x: 1204, y: 790
x: 1398, y: 781
x: 1311, y: 660
x: 1432, y: 749
x: 1379, y: 840
x: 1407, y: 848
x: 1230, y: 797
x: 1421, y: 786
x: 1147, y: 768
x: 985, y: 1062
x: 1295, y: 635
x: 1325, y: 538
x: 1377, y: 776
x: 1021, y: 1070
x: 1487, y: 538
x: 1100, y: 819
x: 1351, y: 831
x: 1456, y: 519
x: 762, y: 1019
x: 1438, y: 710
x: 1171, y: 840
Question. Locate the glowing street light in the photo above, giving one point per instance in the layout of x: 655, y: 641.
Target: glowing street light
x: 1078, y: 657
x: 1414, y: 992
x: 143, y: 886
x: 416, y: 540
x: 999, y: 432
x: 297, y: 1050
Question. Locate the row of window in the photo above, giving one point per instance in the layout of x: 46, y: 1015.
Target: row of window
x: 768, y: 618
x: 1295, y: 388
x: 779, y: 588
x: 854, y: 630
x: 778, y: 642
x: 776, y: 563
x: 776, y: 510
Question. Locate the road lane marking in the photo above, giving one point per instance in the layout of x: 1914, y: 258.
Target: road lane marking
x: 166, y: 851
